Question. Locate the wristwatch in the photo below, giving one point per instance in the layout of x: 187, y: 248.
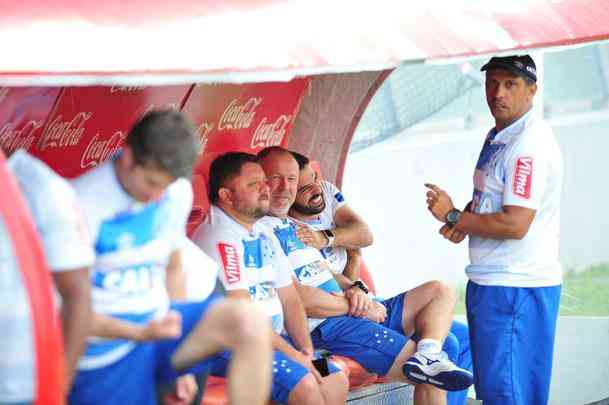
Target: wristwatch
x: 452, y: 217
x: 329, y: 236
x: 361, y: 285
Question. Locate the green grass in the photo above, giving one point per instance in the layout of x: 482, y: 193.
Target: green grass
x: 584, y: 293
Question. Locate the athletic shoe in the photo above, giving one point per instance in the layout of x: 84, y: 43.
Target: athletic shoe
x: 436, y: 369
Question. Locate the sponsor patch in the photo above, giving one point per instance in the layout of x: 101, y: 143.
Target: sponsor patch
x: 523, y: 173
x: 339, y: 197
x: 230, y: 263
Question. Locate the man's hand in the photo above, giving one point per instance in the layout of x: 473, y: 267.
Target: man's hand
x: 185, y: 389
x: 310, y: 237
x: 359, y: 302
x: 165, y: 328
x: 438, y: 202
x: 376, y: 313
x: 305, y: 358
x: 452, y: 234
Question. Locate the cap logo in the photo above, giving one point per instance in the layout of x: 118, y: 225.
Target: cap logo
x: 531, y: 69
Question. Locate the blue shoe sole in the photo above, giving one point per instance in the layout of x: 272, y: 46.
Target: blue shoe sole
x: 448, y: 380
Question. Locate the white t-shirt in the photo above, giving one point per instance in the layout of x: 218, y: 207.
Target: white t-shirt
x: 307, y: 263
x: 521, y: 166
x: 336, y: 256
x: 133, y: 242
x: 201, y: 272
x: 66, y: 245
x: 251, y: 261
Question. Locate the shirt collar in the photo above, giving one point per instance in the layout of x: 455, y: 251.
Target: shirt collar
x: 507, y: 133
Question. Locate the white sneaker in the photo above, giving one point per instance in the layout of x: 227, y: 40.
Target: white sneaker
x: 436, y: 369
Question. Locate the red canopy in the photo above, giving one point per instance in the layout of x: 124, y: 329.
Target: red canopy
x: 71, y: 42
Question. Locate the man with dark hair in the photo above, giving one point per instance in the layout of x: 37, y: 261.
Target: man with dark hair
x: 254, y: 267
x: 68, y: 252
x: 138, y: 339
x: 375, y: 337
x: 423, y: 313
x: 512, y: 221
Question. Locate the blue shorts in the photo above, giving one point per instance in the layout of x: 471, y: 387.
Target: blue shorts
x: 395, y: 312
x: 133, y: 378
x: 372, y: 345
x: 512, y: 342
x: 286, y: 373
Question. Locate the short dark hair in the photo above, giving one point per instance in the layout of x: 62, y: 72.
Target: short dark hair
x: 272, y: 149
x: 224, y: 168
x: 165, y: 139
x: 301, y: 159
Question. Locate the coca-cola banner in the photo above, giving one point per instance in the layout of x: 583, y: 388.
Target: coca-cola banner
x: 246, y: 117
x: 232, y: 117
x: 89, y: 124
x: 23, y: 112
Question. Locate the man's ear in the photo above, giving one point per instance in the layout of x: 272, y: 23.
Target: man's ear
x: 225, y: 195
x: 126, y: 159
x: 532, y: 89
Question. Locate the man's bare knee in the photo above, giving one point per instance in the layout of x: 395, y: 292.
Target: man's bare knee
x: 306, y: 392
x: 245, y: 322
x: 439, y: 289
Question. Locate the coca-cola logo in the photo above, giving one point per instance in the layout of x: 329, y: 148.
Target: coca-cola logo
x: 239, y: 116
x: 99, y: 150
x: 12, y: 138
x: 125, y: 89
x: 3, y: 93
x: 203, y: 132
x: 270, y: 133
x: 61, y: 133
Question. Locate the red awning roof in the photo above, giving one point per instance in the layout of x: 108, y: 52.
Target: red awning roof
x: 70, y: 42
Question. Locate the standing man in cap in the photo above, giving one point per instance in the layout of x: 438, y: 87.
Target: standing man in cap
x: 512, y: 221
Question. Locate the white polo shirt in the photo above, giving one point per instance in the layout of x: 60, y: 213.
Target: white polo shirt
x: 251, y: 261
x: 520, y: 166
x: 66, y: 245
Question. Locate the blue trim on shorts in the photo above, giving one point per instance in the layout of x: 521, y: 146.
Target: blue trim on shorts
x: 512, y: 341
x: 133, y: 378
x: 372, y: 345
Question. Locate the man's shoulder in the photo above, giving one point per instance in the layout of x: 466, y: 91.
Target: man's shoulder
x: 216, y: 227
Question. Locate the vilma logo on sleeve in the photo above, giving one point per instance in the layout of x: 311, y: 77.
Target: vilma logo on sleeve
x: 522, y: 177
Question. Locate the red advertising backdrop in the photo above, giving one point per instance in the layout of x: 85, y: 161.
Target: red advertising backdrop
x: 239, y: 118
x: 88, y: 124
x: 74, y: 129
x: 23, y: 113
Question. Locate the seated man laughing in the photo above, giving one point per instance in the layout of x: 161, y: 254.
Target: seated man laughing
x: 374, y: 337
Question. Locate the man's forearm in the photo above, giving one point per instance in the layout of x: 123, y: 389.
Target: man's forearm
x: 320, y: 304
x: 343, y: 281
x: 352, y: 268
x: 499, y: 225
x: 296, y: 323
x: 105, y: 326
x: 354, y: 235
x: 176, y: 277
x: 75, y: 319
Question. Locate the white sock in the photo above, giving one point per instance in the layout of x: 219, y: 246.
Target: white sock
x: 429, y: 346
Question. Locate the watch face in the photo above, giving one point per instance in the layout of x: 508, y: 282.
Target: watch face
x: 453, y: 216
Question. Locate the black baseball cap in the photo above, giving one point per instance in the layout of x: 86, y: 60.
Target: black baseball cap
x: 521, y: 65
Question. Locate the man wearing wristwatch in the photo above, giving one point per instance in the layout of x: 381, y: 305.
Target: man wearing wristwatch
x: 512, y: 222
x: 374, y: 337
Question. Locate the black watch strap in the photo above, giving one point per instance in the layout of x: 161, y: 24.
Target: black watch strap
x: 360, y: 284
